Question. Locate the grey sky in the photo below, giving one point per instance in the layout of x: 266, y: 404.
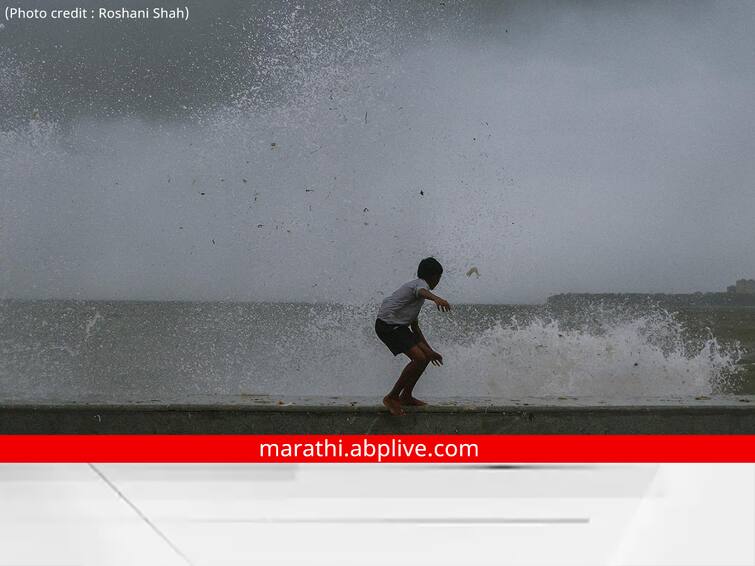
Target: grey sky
x: 557, y: 147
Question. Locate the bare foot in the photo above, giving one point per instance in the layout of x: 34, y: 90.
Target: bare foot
x: 411, y: 401
x: 394, y: 406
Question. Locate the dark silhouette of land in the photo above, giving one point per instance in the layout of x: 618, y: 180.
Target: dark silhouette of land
x: 665, y: 299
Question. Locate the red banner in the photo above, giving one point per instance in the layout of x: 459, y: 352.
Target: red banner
x: 378, y: 448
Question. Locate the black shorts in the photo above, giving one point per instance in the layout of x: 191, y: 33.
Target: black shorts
x: 397, y: 337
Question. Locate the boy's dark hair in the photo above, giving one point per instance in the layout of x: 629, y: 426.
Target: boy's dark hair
x: 428, y: 268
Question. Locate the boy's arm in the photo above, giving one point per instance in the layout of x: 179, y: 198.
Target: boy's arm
x: 441, y: 303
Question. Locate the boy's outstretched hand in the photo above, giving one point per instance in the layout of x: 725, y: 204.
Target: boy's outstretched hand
x: 442, y: 304
x: 436, y: 359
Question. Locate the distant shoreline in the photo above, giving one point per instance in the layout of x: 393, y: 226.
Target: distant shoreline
x: 675, y: 299
x: 672, y: 299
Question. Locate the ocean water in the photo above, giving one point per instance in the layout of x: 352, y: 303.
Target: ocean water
x: 163, y: 350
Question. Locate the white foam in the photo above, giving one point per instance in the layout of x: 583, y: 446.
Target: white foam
x: 596, y: 352
x: 647, y: 356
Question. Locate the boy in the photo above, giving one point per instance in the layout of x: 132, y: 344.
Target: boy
x: 398, y: 328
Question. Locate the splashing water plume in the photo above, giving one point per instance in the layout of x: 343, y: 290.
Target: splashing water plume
x: 71, y: 349
x: 647, y: 356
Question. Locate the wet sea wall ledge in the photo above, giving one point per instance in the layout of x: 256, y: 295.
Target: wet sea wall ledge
x: 731, y: 415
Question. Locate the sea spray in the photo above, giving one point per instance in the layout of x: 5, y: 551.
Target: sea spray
x: 647, y: 356
x: 171, y: 350
x: 289, y: 177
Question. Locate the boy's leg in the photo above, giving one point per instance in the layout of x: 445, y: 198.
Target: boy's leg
x: 406, y: 395
x: 413, y: 370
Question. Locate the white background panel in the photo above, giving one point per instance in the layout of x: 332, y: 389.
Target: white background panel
x: 623, y: 515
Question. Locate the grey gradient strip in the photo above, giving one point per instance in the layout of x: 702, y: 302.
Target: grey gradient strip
x: 510, y: 466
x: 471, y: 521
x: 142, y: 515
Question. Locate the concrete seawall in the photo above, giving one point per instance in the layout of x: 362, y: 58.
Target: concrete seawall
x: 262, y: 415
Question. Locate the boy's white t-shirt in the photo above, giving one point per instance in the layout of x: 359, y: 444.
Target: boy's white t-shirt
x: 403, y: 305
